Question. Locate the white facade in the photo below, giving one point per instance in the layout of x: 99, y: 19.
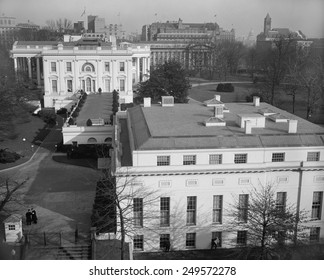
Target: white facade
x: 68, y: 68
x: 224, y: 161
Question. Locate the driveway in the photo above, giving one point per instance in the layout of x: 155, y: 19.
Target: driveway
x: 61, y: 194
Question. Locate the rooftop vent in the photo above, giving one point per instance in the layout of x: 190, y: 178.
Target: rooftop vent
x: 292, y: 126
x: 256, y: 101
x: 167, y: 101
x: 248, y: 127
x: 214, y: 121
x: 278, y: 118
x: 147, y: 102
x: 214, y: 102
x: 267, y: 112
x: 256, y: 120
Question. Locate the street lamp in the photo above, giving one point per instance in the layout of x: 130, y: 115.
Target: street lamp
x: 31, y: 144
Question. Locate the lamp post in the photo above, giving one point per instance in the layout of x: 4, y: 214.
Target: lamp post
x: 31, y: 144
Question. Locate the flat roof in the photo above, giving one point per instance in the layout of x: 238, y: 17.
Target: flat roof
x: 182, y: 127
x: 96, y: 106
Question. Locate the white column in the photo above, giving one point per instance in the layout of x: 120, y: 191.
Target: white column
x: 15, y: 64
x: 148, y: 65
x: 137, y: 69
x: 38, y: 71
x: 129, y: 77
x: 29, y: 68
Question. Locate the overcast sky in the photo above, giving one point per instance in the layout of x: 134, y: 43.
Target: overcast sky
x: 242, y: 15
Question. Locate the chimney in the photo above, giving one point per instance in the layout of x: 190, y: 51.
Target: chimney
x: 217, y: 97
x: 248, y: 127
x: 292, y: 126
x: 256, y: 101
x: 147, y: 102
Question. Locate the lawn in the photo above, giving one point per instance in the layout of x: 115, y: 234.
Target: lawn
x: 203, y: 93
x: 30, y: 128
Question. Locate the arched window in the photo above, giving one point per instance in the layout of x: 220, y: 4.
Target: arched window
x: 88, y: 67
x: 92, y: 140
x: 108, y: 140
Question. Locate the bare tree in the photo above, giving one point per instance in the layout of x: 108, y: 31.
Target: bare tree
x: 274, y: 64
x: 9, y: 193
x: 306, y: 73
x: 121, y: 204
x: 270, y: 221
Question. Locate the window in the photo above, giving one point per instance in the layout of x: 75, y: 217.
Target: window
x: 313, y: 156
x: 138, y: 212
x: 138, y: 242
x: 240, y: 158
x: 191, y: 210
x: 133, y: 62
x: 317, y: 205
x: 217, y: 208
x: 121, y: 66
x: 165, y: 211
x: 243, y: 207
x: 191, y: 240
x: 189, y: 160
x: 277, y: 157
x: 122, y: 85
x: 164, y: 239
x: 68, y: 67
x: 107, y: 67
x: 215, y: 159
x: 217, y: 234
x: 53, y: 66
x: 54, y: 85
x: 241, y: 237
x: 163, y: 160
x: 11, y: 227
x: 281, y: 201
x: 314, y: 234
x: 69, y: 85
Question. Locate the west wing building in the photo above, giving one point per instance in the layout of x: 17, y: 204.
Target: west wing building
x: 198, y: 158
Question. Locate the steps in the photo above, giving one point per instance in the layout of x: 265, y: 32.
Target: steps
x: 76, y: 252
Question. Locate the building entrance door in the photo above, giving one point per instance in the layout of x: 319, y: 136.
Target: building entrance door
x: 107, y: 85
x: 88, y: 85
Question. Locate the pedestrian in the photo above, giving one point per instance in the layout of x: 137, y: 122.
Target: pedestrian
x: 167, y: 246
x: 34, y: 216
x: 28, y: 217
x: 212, y: 244
x: 216, y: 241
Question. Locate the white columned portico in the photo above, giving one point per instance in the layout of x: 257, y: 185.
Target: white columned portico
x: 29, y: 68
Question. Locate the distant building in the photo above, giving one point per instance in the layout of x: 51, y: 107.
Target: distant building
x: 266, y: 38
x: 7, y: 31
x: 98, y: 25
x: 28, y: 25
x: 78, y: 27
x: 185, y: 32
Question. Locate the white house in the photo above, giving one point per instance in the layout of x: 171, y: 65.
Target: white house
x: 199, y: 158
x: 64, y: 68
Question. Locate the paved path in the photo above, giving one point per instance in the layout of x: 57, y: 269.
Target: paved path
x: 61, y: 194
